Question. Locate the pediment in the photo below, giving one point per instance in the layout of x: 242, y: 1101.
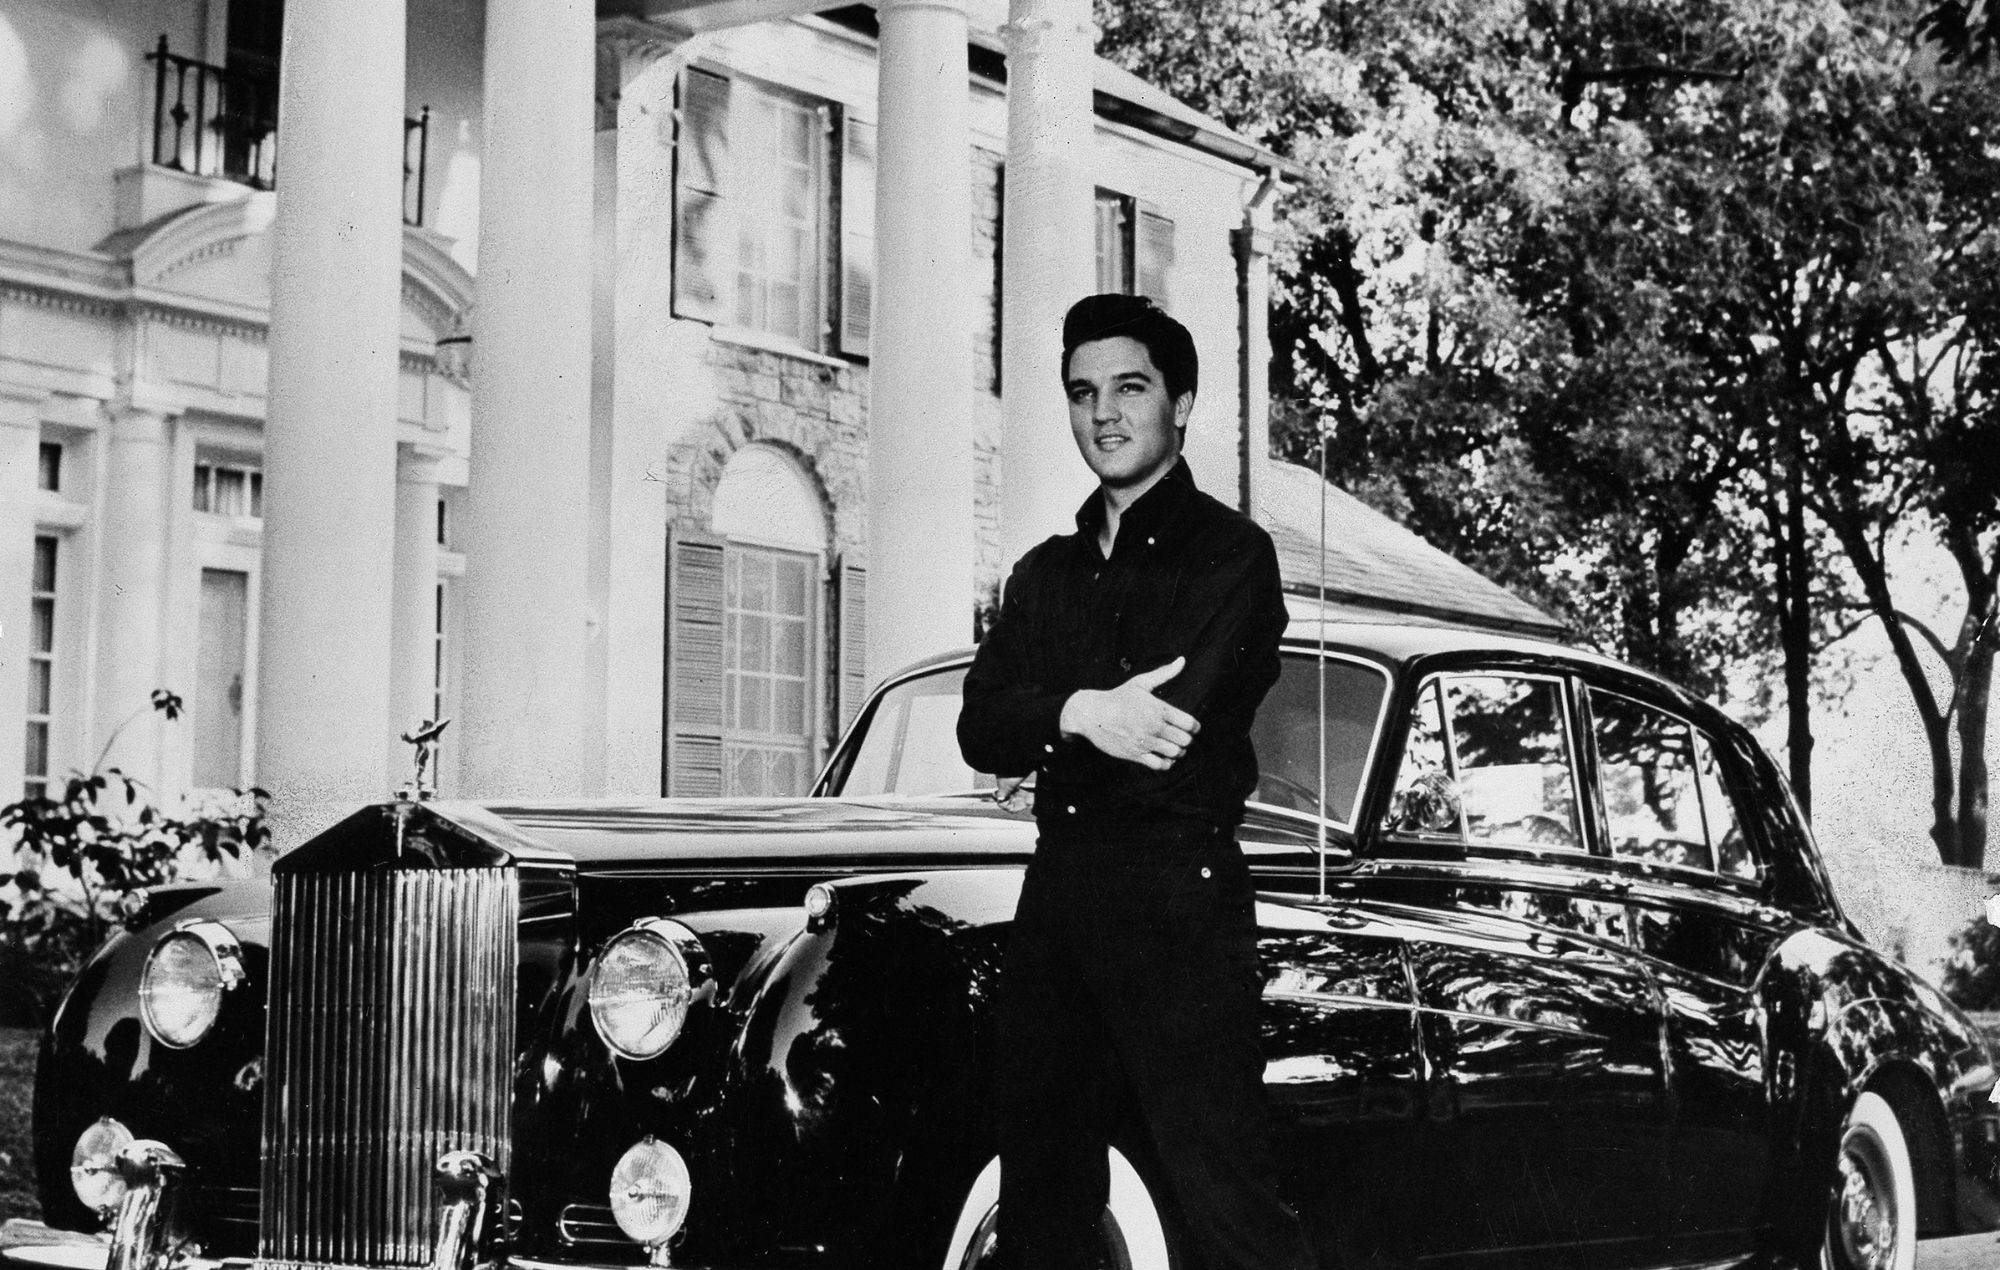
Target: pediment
x: 218, y: 257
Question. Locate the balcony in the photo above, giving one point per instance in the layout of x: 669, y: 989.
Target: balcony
x: 212, y: 121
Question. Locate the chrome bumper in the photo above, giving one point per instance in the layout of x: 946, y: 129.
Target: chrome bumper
x: 25, y: 1243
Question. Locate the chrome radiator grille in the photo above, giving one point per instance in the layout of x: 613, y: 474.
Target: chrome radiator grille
x: 390, y: 1041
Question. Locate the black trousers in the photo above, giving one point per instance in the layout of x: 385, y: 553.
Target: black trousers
x: 1132, y: 974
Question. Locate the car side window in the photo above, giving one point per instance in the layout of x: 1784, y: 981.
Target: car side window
x: 1494, y: 748
x: 1725, y: 830
x: 1664, y: 800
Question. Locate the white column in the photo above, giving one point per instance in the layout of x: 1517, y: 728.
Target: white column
x: 1253, y: 263
x: 20, y: 438
x: 638, y: 349
x: 132, y: 592
x: 526, y: 518
x: 1048, y: 261
x: 413, y: 624
x: 920, y: 531
x: 329, y: 439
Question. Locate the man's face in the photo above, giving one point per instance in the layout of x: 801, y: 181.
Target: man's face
x: 1125, y: 425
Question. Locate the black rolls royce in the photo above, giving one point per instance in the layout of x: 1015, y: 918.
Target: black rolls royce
x: 1554, y: 975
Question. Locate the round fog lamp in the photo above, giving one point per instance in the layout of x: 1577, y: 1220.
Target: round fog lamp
x: 640, y: 992
x: 93, y: 1165
x: 180, y: 992
x: 650, y: 1188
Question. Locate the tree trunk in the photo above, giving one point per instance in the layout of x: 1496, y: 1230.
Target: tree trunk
x: 1873, y: 572
x: 1972, y: 781
x: 1795, y: 621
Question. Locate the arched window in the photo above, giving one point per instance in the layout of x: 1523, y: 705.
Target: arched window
x: 769, y: 516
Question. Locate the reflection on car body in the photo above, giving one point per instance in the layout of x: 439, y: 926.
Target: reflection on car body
x: 1569, y: 986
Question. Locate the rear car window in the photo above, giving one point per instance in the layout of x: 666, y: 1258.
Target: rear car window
x: 1664, y: 800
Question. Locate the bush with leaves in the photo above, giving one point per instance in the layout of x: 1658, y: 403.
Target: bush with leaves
x: 86, y: 853
x: 1972, y: 970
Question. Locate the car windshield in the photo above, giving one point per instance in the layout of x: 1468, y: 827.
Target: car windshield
x: 909, y: 743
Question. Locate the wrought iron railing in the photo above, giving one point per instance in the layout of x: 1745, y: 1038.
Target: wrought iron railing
x: 222, y: 122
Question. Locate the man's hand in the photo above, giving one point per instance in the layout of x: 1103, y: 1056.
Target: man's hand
x: 1129, y: 722
x: 1010, y: 796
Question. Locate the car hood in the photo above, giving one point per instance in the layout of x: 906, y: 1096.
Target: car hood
x: 712, y: 834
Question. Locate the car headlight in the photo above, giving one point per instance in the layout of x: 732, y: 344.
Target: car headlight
x: 93, y: 1165
x: 186, y: 975
x: 650, y: 1189
x: 643, y: 985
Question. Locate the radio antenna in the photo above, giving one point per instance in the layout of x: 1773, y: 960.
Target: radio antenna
x: 1319, y: 667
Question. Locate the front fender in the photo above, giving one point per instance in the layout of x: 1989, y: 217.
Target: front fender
x: 859, y: 1086
x: 206, y: 1102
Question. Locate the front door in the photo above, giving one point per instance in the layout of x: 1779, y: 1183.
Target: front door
x: 218, y: 679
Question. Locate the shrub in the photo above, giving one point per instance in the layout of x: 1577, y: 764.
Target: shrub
x: 1972, y: 970
x: 84, y: 860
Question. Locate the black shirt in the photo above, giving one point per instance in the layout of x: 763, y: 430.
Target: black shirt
x: 1188, y: 577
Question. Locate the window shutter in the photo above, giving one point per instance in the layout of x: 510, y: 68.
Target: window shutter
x: 857, y: 235
x: 850, y: 582
x: 694, y: 668
x: 701, y: 157
x: 1154, y: 253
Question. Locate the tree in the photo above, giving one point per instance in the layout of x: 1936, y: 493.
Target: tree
x: 1920, y: 456
x: 1603, y: 297
x: 1962, y: 31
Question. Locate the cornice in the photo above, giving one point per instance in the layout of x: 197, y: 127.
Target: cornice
x: 62, y: 301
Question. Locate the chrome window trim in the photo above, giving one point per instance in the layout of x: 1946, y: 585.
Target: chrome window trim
x: 1374, y: 739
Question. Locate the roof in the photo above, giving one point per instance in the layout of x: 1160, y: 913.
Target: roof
x: 1123, y: 97
x: 1116, y: 93
x: 1375, y: 564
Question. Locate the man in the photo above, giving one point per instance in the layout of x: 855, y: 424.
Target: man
x: 1124, y: 668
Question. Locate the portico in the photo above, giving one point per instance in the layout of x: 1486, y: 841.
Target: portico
x: 701, y: 382
x: 528, y: 620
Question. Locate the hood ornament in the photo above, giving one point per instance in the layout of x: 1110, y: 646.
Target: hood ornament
x: 425, y: 739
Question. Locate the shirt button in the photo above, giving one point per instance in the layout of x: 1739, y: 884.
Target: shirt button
x: 1070, y: 810
x: 1204, y: 872
x: 1149, y: 542
x: 1048, y: 749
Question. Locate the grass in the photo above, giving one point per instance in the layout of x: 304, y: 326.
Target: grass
x: 17, y: 1081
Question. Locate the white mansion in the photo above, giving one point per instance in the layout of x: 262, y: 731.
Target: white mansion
x: 624, y: 382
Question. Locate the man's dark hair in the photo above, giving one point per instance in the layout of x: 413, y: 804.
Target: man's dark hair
x: 1167, y: 342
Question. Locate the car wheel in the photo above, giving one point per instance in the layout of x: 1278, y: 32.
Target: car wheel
x: 1132, y: 1237
x: 1871, y: 1208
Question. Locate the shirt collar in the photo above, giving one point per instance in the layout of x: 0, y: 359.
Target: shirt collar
x: 1155, y: 511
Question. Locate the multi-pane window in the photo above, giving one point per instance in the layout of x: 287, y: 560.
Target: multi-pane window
x: 1114, y: 242
x: 229, y: 489
x: 1135, y: 247
x: 768, y: 618
x: 48, y: 472
x: 779, y: 214
x: 773, y: 213
x: 41, y: 664
x: 1664, y: 799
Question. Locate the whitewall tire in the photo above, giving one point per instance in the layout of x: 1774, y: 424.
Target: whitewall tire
x: 1871, y: 1207
x: 1136, y: 1238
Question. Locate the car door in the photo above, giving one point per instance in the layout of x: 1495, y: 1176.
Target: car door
x: 1695, y: 881
x: 1545, y: 1086
x: 1341, y: 1075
